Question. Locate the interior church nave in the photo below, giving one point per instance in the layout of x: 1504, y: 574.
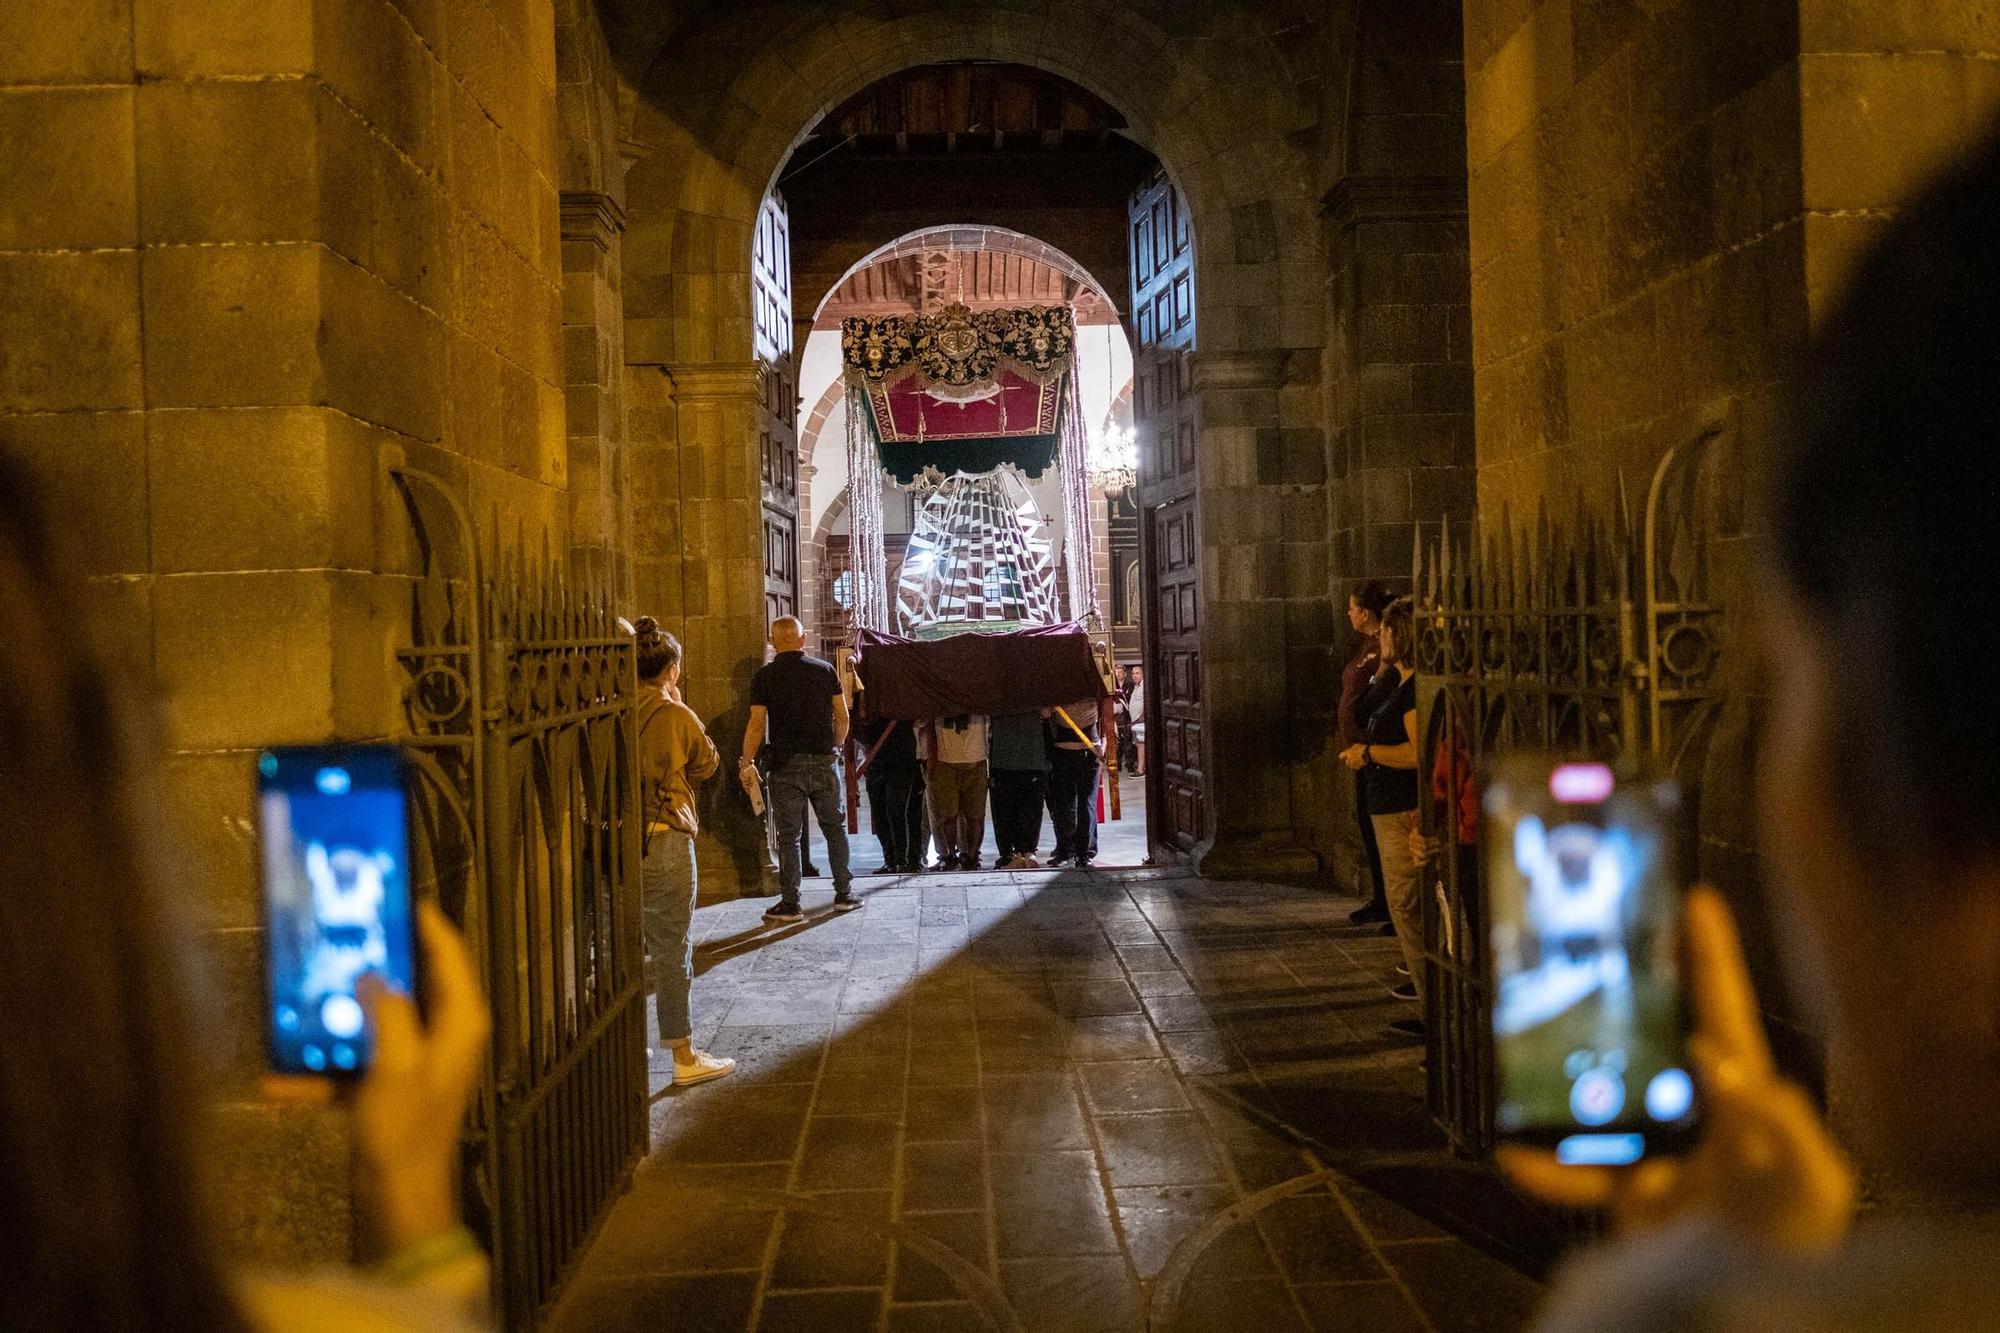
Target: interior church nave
x: 386, y: 361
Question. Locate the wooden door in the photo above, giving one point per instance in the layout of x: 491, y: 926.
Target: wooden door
x: 1173, y: 680
x: 1170, y: 543
x: 778, y: 412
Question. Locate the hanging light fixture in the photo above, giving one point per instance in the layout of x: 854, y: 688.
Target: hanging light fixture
x: 1111, y: 458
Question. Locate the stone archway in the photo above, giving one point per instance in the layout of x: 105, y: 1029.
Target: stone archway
x: 1212, y: 95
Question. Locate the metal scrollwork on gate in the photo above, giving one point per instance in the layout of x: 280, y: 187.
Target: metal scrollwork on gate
x: 518, y: 691
x: 1597, y: 637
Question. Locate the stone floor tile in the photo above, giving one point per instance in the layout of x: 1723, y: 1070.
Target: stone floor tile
x: 789, y: 1053
x: 660, y: 1230
x: 848, y: 1152
x: 1156, y: 1219
x: 941, y: 1114
x: 1052, y: 1045
x: 1359, y: 1307
x: 1313, y: 1240
x: 947, y: 1317
x: 943, y: 1177
x: 1164, y: 1148
x: 1084, y: 1295
x: 1171, y: 981
x: 1033, y: 1113
x: 1049, y: 1204
x: 819, y: 1311
x: 742, y: 1123
x: 1462, y: 1288
x: 1201, y: 1052
x: 1125, y: 1086
x: 714, y: 1303
x: 1110, y: 996
x: 1119, y: 1037
x: 817, y: 1250
x: 919, y: 1279
x: 1143, y: 955
x: 1234, y: 1305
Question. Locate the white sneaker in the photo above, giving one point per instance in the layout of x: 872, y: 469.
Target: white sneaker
x: 701, y: 1069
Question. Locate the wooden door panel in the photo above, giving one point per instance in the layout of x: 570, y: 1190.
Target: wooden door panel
x: 1163, y: 315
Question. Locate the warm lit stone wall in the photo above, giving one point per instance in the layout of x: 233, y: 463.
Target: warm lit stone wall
x: 1664, y: 199
x: 250, y: 255
x: 1396, y: 453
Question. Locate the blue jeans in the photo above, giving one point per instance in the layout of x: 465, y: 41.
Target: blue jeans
x: 667, y: 887
x: 809, y: 779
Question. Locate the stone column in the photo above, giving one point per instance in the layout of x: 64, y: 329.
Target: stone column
x: 251, y: 257
x: 593, y: 225
x: 1260, y: 452
x: 720, y: 615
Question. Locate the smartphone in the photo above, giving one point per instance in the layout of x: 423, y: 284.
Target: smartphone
x: 1586, y: 865
x: 333, y: 827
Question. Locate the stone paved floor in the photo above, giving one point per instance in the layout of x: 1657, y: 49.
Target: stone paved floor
x: 1120, y: 842
x: 1054, y: 1101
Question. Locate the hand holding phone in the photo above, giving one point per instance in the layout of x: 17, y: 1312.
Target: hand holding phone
x: 409, y: 1108
x: 333, y: 825
x: 1765, y: 1161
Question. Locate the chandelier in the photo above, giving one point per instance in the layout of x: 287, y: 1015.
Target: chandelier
x: 1111, y: 458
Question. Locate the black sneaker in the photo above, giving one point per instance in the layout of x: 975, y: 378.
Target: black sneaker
x: 1406, y: 991
x: 1083, y: 862
x: 1059, y: 859
x: 1368, y: 913
x: 948, y: 862
x: 783, y: 915
x: 969, y: 863
x: 809, y: 871
x: 845, y: 902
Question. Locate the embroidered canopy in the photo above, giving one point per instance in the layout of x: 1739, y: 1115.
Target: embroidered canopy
x: 962, y: 390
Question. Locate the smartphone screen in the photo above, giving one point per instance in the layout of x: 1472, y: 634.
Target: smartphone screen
x: 1586, y: 868
x: 333, y: 826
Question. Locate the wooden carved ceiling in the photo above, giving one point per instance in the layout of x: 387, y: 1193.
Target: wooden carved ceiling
x: 965, y: 107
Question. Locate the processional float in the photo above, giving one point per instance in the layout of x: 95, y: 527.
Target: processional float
x: 964, y: 407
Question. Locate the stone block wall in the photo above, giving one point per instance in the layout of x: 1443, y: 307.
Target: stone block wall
x: 1664, y: 199
x: 250, y: 257
x: 1397, y: 392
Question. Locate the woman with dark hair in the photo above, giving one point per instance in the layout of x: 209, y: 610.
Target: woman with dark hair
x: 1881, y: 848
x: 674, y: 754
x: 1365, y: 606
x: 1385, y: 758
x: 100, y: 1184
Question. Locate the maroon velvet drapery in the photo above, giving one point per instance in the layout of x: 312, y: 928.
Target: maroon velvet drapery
x: 1047, y: 666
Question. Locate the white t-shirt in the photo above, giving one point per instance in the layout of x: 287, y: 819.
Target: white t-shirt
x: 962, y: 747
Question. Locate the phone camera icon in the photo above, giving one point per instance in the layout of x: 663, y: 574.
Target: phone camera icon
x: 312, y: 1057
x: 1597, y: 1097
x: 343, y: 1056
x: 288, y: 1018
x: 341, y: 1016
x: 1670, y: 1095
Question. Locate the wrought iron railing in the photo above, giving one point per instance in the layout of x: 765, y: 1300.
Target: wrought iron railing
x: 519, y: 693
x: 1597, y: 639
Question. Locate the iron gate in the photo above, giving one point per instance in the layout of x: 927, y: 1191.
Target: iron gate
x: 1601, y: 641
x: 519, y: 696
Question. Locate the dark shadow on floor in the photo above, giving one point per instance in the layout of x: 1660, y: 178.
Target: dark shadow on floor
x: 1084, y: 1100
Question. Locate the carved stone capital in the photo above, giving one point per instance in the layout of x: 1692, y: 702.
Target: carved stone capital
x: 593, y: 216
x: 718, y: 380
x: 1358, y: 199
x: 1258, y: 368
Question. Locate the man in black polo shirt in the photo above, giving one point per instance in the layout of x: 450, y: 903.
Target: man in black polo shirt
x: 795, y: 703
